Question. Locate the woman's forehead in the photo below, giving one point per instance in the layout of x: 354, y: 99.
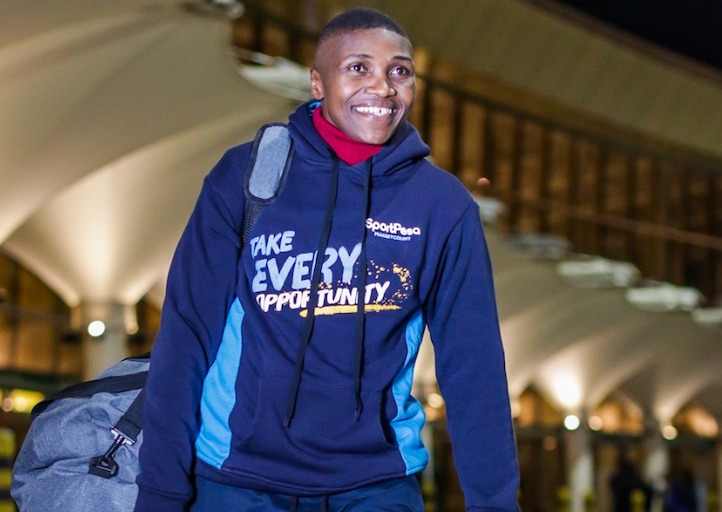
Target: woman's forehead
x: 362, y: 42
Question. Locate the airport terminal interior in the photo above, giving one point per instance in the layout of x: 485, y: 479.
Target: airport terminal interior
x: 592, y: 147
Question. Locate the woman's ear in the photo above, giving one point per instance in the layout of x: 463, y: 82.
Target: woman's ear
x: 316, y: 85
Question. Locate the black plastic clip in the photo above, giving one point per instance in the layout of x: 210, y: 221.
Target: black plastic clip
x: 104, y: 465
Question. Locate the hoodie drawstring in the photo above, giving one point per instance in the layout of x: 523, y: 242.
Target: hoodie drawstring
x: 361, y: 310
x: 359, y: 327
x: 313, y: 297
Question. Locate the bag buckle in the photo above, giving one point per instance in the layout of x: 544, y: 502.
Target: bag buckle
x: 104, y: 465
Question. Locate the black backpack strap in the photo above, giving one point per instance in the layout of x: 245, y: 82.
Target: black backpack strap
x: 271, y: 158
x: 131, y: 422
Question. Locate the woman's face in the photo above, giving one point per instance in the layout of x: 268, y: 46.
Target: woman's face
x: 367, y: 82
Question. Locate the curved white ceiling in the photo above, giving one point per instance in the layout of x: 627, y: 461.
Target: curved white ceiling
x: 111, y: 113
x: 577, y: 345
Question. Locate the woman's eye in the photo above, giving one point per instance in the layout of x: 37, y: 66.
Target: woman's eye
x: 401, y: 71
x: 358, y: 68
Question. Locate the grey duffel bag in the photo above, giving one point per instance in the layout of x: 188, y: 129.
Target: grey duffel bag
x: 81, y: 452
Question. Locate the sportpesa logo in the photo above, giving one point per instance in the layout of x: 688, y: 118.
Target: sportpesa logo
x: 392, y: 230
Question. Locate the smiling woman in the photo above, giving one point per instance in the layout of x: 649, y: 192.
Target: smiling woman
x: 298, y: 349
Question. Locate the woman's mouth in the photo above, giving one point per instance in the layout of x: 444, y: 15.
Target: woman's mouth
x: 374, y: 111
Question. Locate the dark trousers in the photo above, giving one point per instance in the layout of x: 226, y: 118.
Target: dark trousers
x: 399, y: 495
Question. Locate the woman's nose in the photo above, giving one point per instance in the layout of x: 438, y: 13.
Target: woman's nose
x: 381, y: 86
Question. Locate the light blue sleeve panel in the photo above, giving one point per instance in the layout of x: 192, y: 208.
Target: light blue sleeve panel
x: 219, y: 395
x: 410, y: 417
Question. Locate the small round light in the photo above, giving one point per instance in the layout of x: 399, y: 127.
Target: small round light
x: 96, y: 328
x: 515, y: 408
x: 435, y: 400
x: 595, y: 423
x: 669, y: 432
x: 571, y: 422
x: 132, y: 328
x: 549, y: 443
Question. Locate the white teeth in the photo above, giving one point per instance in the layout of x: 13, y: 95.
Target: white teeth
x: 375, y: 111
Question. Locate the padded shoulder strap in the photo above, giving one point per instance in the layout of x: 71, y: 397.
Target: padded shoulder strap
x: 271, y: 158
x: 114, y: 384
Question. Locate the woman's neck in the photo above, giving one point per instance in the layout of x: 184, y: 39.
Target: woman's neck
x: 349, y: 150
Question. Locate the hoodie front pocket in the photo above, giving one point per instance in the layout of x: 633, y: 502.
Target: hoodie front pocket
x: 323, y: 423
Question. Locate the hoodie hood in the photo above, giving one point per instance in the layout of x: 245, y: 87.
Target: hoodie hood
x: 403, y: 150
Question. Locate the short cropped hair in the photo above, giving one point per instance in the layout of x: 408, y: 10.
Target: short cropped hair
x: 360, y: 18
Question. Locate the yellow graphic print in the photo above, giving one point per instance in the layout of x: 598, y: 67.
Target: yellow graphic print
x: 340, y: 310
x: 376, y: 291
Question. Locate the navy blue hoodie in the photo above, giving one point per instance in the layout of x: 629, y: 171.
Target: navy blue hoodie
x: 257, y: 382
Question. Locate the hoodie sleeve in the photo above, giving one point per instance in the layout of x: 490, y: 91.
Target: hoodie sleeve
x: 200, y: 289
x: 464, y: 326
